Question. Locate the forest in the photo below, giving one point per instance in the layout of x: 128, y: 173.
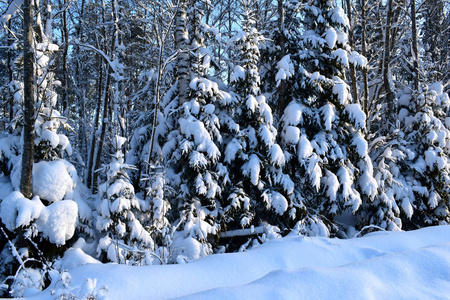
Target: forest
x: 160, y: 132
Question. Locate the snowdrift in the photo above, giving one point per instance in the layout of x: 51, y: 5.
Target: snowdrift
x: 393, y: 265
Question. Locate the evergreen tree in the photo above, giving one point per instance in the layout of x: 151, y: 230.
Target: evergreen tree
x: 192, y: 148
x: 322, y: 130
x: 411, y: 165
x: 260, y: 192
x: 279, y: 59
x: 124, y: 237
x: 425, y: 167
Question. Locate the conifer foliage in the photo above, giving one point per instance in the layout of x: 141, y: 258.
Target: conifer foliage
x: 322, y: 129
x: 124, y: 236
x: 425, y: 167
x: 261, y: 192
x: 192, y: 150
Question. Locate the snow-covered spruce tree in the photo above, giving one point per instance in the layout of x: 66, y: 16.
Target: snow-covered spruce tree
x: 388, y: 153
x: 411, y: 164
x: 141, y: 123
x: 149, y: 171
x: 321, y: 129
x: 121, y: 215
x: 391, y: 145
x: 191, y: 149
x: 260, y: 192
x: 425, y: 168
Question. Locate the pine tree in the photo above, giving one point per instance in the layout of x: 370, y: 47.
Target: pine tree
x: 260, y: 191
x: 425, y: 167
x: 193, y: 140
x: 124, y: 236
x: 321, y: 129
x: 159, y: 226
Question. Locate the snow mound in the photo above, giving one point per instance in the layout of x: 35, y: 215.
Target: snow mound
x: 56, y: 222
x: 17, y: 211
x: 52, y: 180
x: 382, y: 265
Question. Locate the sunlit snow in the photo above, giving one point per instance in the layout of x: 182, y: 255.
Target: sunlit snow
x: 380, y: 265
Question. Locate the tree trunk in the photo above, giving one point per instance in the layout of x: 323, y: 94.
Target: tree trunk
x: 106, y: 107
x: 282, y: 88
x: 28, y: 122
x: 183, y: 59
x: 81, y: 93
x: 386, y: 60
x: 10, y: 73
x: 414, y: 45
x: 352, y: 67
x: 93, y: 140
x: 65, y: 79
x: 364, y: 53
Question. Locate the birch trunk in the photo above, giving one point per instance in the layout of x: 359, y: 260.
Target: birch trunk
x: 181, y: 36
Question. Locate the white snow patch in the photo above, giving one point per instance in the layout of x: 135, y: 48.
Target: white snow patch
x: 293, y: 114
x: 52, y: 180
x: 57, y: 221
x: 356, y: 115
x: 305, y: 150
x: 285, y: 69
x: 339, y: 16
x: 291, y: 135
x: 332, y: 185
x: 252, y: 168
x: 293, y: 267
x: 17, y: 211
x: 329, y: 115
x: 341, y: 90
x: 237, y: 74
x: 277, y: 156
x: 357, y: 59
x: 275, y: 200
x: 360, y: 144
x: 331, y: 37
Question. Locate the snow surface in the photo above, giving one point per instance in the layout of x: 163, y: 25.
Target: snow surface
x: 381, y: 265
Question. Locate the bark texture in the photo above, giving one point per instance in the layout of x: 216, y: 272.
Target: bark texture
x: 181, y: 40
x: 28, y: 121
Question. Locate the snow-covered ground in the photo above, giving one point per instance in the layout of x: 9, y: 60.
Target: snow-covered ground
x: 394, y: 265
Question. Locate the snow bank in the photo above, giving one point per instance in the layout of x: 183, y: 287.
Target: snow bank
x: 394, y: 265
